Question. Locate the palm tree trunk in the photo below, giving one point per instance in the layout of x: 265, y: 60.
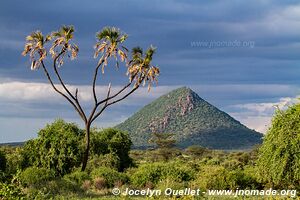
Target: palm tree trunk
x: 87, y: 147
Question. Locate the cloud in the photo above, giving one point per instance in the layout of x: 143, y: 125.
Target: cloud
x: 268, y: 108
x: 32, y: 92
x: 258, y: 116
x: 258, y: 123
x: 43, y: 92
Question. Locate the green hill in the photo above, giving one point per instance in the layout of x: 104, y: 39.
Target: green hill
x: 193, y: 121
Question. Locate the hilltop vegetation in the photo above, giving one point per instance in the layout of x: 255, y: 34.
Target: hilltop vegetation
x: 192, y: 120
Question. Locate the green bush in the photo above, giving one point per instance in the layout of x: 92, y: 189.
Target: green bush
x: 170, y: 183
x: 279, y: 157
x: 218, y: 177
x: 77, y: 177
x: 11, y: 192
x: 110, y: 160
x: 54, y: 188
x: 196, y: 151
x: 112, y: 141
x: 34, y: 176
x: 148, y: 173
x: 211, y: 177
x: 59, y: 147
x: 111, y: 176
x: 250, y: 179
x: 213, y: 161
x: 232, y: 164
x: 16, y: 160
x: 156, y: 172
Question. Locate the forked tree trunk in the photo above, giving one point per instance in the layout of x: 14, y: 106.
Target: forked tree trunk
x: 87, y: 147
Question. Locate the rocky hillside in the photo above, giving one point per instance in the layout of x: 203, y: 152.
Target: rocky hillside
x: 193, y: 121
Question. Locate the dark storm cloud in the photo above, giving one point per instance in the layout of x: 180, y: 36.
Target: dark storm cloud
x: 170, y: 25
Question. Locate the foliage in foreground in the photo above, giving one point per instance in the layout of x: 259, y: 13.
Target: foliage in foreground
x: 279, y: 156
x: 59, y: 147
x: 209, y: 170
x: 195, y: 167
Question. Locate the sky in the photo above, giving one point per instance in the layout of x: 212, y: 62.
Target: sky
x: 240, y: 55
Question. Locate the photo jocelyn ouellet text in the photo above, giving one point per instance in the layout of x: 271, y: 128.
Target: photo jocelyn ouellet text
x: 197, y: 192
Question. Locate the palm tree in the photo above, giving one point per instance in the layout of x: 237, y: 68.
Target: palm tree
x: 109, y: 40
x: 140, y: 68
x: 109, y: 44
x: 35, y: 47
x: 61, y: 45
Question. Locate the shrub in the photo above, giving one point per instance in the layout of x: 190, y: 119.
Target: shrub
x: 156, y: 172
x: 11, y: 191
x: 177, y: 172
x: 110, y: 160
x: 16, y: 160
x: 53, y: 188
x: 232, y: 164
x: 279, y: 158
x: 169, y: 183
x: 61, y: 186
x: 77, y: 177
x: 218, y: 177
x: 214, y: 161
x: 100, y: 183
x: 211, y: 177
x: 110, y: 176
x: 249, y: 178
x: 112, y: 141
x: 165, y: 154
x: 86, y: 185
x: 196, y: 151
x: 146, y: 173
x: 34, y: 176
x: 59, y: 147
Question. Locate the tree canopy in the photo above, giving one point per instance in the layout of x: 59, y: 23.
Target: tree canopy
x: 112, y: 141
x: 279, y: 155
x: 59, y: 146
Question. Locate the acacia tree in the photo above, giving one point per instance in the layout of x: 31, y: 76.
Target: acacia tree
x: 140, y: 70
x: 163, y: 140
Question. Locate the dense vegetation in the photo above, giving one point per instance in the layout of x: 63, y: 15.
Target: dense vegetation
x: 192, y: 120
x: 28, y: 172
x: 194, y: 167
x: 279, y: 160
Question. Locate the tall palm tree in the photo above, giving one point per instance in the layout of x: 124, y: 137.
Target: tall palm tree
x: 62, y: 45
x: 35, y: 47
x: 140, y: 68
x: 109, y: 43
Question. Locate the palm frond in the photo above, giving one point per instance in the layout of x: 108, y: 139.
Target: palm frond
x: 35, y: 47
x: 62, y: 45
